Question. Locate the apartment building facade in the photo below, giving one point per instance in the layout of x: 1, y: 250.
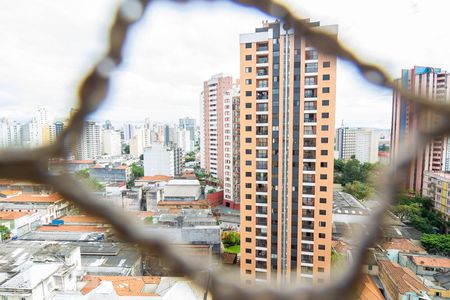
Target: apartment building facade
x: 212, y: 124
x: 287, y: 111
x: 407, y: 119
x: 362, y: 143
x: 90, y: 143
x: 436, y: 185
x: 231, y: 142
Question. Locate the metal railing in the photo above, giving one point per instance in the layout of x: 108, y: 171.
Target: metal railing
x: 31, y: 165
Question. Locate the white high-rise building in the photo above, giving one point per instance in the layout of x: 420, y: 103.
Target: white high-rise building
x: 10, y: 134
x: 90, y: 143
x: 184, y: 140
x: 161, y: 160
x: 111, y: 142
x: 359, y: 142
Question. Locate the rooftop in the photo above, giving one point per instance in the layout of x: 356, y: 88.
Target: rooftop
x: 72, y: 228
x: 431, y: 261
x: 404, y: 279
x: 9, y: 192
x: 155, y: 178
x: 83, y: 219
x: 344, y: 203
x: 369, y: 290
x: 12, y: 215
x: 123, y: 285
x: 31, y: 277
x: 33, y: 198
x: 404, y: 245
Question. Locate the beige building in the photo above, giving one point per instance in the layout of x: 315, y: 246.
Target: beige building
x: 436, y: 185
x: 287, y: 110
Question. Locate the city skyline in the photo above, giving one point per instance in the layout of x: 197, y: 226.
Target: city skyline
x: 147, y: 78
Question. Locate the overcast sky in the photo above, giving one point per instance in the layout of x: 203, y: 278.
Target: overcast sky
x: 47, y: 46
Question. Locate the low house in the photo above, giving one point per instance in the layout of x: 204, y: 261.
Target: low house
x: 401, y: 283
x: 182, y: 190
x: 20, y: 223
x: 394, y: 246
x: 110, y: 174
x: 426, y: 265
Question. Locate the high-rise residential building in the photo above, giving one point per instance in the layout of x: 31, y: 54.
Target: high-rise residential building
x: 10, y: 133
x: 184, y: 140
x: 128, y: 132
x: 436, y: 185
x: 162, y: 160
x: 362, y: 143
x: 55, y: 131
x: 231, y: 142
x: 90, y: 144
x: 212, y: 122
x: 287, y: 111
x: 407, y: 119
x: 190, y: 125
x: 112, y: 144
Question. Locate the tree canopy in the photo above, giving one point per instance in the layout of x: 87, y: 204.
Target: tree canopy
x: 5, y: 232
x: 436, y: 243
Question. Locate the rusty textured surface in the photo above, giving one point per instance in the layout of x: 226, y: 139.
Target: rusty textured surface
x: 31, y: 165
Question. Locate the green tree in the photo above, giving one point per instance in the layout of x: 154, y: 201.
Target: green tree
x: 148, y: 220
x: 436, y: 243
x: 126, y: 149
x: 137, y: 171
x: 406, y: 211
x: 4, y: 232
x: 231, y: 238
x: 359, y: 190
x: 92, y: 183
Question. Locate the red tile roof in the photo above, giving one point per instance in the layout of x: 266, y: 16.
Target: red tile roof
x: 12, y: 215
x: 403, y: 245
x: 86, y: 161
x: 72, y: 228
x: 83, y: 219
x: 52, y: 198
x: 369, y: 290
x: 9, y: 192
x: 403, y: 278
x: 123, y: 285
x: 430, y: 261
x: 155, y: 178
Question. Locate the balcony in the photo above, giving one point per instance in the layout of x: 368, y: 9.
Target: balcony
x: 262, y: 154
x: 262, y: 95
x: 263, y: 60
x: 261, y: 210
x: 309, y: 178
x: 311, y: 55
x: 261, y: 232
x: 262, y: 119
x: 261, y: 243
x: 309, y: 154
x: 261, y: 72
x: 309, y: 130
x: 261, y: 188
x: 307, y: 248
x: 261, y: 176
x: 261, y: 264
x: 261, y: 142
x: 309, y: 166
x: 262, y: 107
x: 262, y: 47
x: 261, y: 221
x: 307, y: 225
x: 310, y: 93
x: 307, y: 236
x: 261, y: 254
x: 307, y: 270
x: 262, y: 130
x: 311, y: 67
x: 310, y: 80
x: 261, y: 199
x: 309, y: 142
x: 308, y: 190
x: 307, y: 213
x: 261, y: 165
x: 310, y: 105
x: 308, y: 201
x: 307, y: 259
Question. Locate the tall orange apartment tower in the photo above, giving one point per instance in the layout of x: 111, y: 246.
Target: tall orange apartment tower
x: 287, y: 111
x: 434, y: 156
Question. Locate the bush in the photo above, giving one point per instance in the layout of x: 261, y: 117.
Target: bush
x: 5, y: 232
x: 148, y: 220
x: 231, y: 238
x: 436, y: 243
